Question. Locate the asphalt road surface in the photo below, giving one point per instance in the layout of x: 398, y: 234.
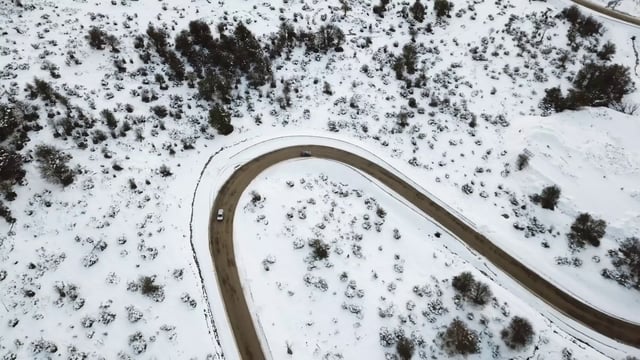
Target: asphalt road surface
x: 239, y: 314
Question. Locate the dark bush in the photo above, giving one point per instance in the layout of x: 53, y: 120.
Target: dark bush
x: 5, y: 213
x: 480, y: 293
x: 184, y: 42
x: 463, y: 283
x: 329, y: 36
x: 42, y: 89
x: 584, y: 26
x: 607, y: 51
x: 589, y: 27
x: 602, y: 85
x: 220, y: 120
x: 176, y: 65
x: 215, y: 86
x: 594, y: 85
x: 10, y: 166
x: 200, y: 33
x: 165, y: 171
x: 553, y: 101
x: 405, y: 348
x: 109, y: 119
x: 572, y: 14
x: 548, y: 198
x: 522, y: 161
x: 381, y: 8
x: 97, y: 38
x: 586, y: 229
x: 442, y: 8
x: 160, y: 111
x: 158, y: 37
x: 54, y: 164
x: 410, y: 58
x: 476, y: 291
x: 286, y: 38
x: 417, y: 11
x: 320, y: 249
x: 8, y: 121
x: 458, y: 339
x: 148, y: 285
x: 519, y: 334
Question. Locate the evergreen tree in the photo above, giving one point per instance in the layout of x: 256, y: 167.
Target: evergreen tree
x: 442, y: 8
x: 220, y: 120
x: 417, y: 11
x: 586, y: 229
x: 519, y: 334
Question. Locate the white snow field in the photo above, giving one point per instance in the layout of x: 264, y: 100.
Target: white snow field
x: 104, y: 268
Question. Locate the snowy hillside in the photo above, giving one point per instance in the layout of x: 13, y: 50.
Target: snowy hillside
x: 95, y: 253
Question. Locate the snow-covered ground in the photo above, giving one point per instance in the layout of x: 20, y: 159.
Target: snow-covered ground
x: 392, y: 272
x: 61, y: 233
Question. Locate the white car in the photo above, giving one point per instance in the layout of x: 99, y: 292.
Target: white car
x: 220, y: 215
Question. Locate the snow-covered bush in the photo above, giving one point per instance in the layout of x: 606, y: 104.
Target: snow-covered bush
x: 54, y: 165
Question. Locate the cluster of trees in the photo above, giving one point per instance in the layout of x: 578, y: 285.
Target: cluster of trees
x: 594, y: 85
x: 220, y: 62
x: 158, y: 38
x: 597, y: 83
x: 469, y: 288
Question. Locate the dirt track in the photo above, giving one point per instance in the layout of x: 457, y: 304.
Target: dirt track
x: 222, y: 251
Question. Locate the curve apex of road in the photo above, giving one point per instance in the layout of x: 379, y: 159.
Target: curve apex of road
x: 221, y: 247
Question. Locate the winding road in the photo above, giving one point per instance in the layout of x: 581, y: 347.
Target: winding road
x: 222, y: 250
